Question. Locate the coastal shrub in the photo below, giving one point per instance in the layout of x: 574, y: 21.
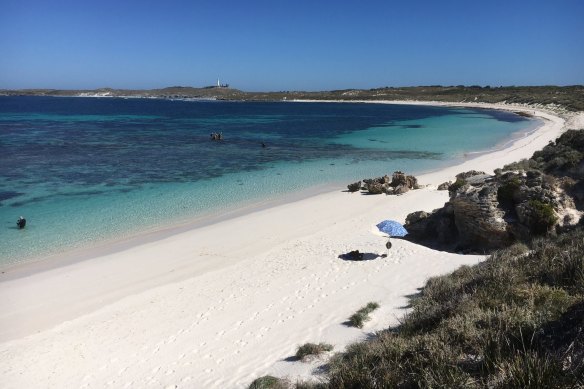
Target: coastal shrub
x: 517, y: 249
x: 543, y: 216
x: 528, y: 370
x: 563, y: 155
x: 362, y: 315
x: 459, y: 183
x: 269, y: 382
x: 522, y: 165
x: 309, y: 349
x: 514, y: 320
x: 560, y: 264
x: 508, y: 191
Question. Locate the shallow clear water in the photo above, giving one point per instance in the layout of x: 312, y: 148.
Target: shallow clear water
x: 85, y: 170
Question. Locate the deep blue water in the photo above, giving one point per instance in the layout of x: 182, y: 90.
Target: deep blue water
x: 85, y: 170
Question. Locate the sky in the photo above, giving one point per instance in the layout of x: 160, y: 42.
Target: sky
x: 289, y: 45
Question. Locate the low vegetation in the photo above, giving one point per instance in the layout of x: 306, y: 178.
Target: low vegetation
x: 561, y: 157
x: 269, y: 382
x: 362, y: 315
x: 459, y: 183
x: 515, y: 320
x: 312, y: 349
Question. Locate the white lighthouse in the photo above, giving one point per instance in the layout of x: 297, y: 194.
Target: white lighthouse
x: 220, y: 85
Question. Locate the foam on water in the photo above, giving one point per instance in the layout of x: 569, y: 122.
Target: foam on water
x: 84, y: 171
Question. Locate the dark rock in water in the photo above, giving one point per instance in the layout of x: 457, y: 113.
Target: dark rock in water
x: 354, y: 187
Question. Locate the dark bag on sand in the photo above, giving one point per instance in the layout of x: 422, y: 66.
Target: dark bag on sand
x: 355, y: 255
x: 388, y: 245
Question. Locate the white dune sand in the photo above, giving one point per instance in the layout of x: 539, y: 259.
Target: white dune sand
x: 221, y: 305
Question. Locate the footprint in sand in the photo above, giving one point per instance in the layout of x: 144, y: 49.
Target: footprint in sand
x: 219, y: 335
x: 241, y: 343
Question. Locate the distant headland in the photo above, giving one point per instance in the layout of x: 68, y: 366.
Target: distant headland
x: 569, y: 97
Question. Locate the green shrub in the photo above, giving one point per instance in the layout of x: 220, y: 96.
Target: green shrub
x: 309, y: 349
x: 269, y: 382
x: 362, y: 315
x: 456, y: 185
x: 523, y: 165
x: 508, y: 191
x: 517, y: 249
x: 513, y: 320
x: 543, y: 216
x: 529, y: 370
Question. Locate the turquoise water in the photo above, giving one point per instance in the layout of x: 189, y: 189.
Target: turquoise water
x: 85, y: 171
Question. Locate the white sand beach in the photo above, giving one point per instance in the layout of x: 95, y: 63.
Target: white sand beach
x: 220, y: 305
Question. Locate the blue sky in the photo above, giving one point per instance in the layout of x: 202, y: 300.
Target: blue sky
x: 289, y: 45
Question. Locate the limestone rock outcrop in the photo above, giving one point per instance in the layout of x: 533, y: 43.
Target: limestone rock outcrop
x: 522, y: 200
x: 354, y: 187
x: 486, y: 212
x: 399, y: 183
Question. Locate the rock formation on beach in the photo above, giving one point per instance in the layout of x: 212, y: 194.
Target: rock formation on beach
x: 526, y: 199
x: 398, y: 184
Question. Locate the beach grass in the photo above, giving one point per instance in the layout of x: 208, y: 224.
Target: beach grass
x: 312, y: 349
x: 362, y: 315
x: 269, y: 382
x: 514, y: 320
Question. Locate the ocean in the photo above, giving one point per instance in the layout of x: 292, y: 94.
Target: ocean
x: 86, y: 171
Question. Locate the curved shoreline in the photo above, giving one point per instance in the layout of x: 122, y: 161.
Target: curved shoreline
x: 219, y: 308
x: 84, y: 250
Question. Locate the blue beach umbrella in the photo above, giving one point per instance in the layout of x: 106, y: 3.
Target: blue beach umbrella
x: 392, y: 228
